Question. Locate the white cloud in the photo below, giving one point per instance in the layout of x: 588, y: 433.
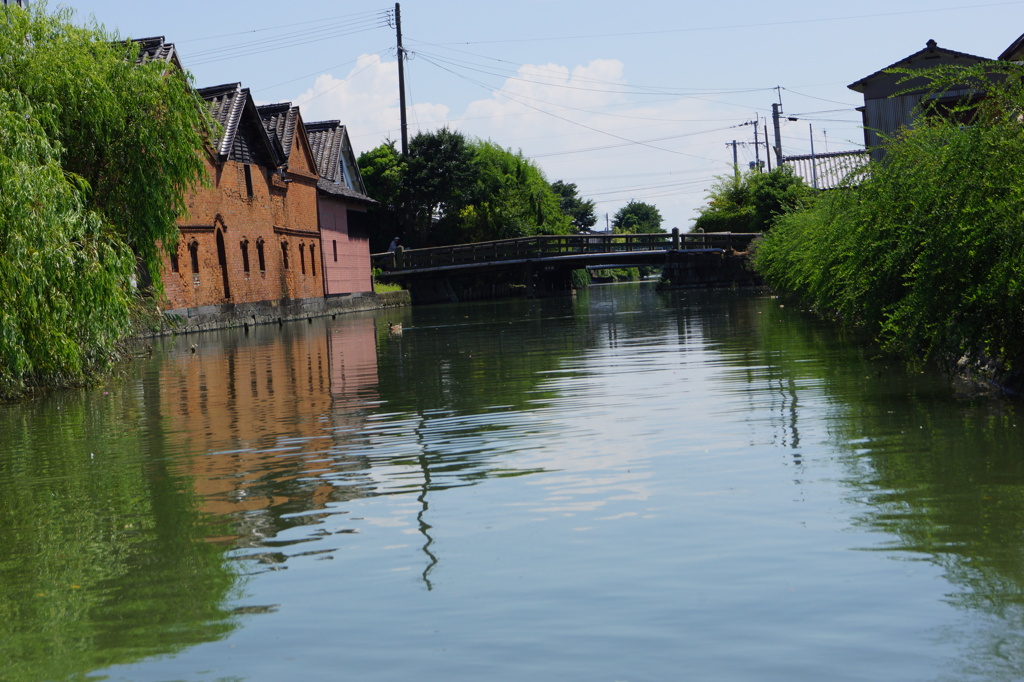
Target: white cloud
x: 580, y: 124
x: 365, y: 100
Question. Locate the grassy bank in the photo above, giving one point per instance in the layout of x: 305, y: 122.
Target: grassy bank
x: 925, y: 251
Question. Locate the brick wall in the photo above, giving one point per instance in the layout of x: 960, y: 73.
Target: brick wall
x: 232, y: 219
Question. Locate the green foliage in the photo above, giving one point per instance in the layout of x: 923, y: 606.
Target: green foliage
x: 452, y: 190
x: 580, y: 212
x: 96, y: 152
x: 439, y: 178
x: 131, y: 132
x: 927, y: 253
x: 383, y: 172
x: 511, y: 198
x: 637, y: 217
x: 751, y: 202
x: 64, y: 296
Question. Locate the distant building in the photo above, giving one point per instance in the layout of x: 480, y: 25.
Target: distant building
x: 890, y: 104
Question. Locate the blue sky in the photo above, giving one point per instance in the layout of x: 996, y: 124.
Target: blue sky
x: 629, y: 100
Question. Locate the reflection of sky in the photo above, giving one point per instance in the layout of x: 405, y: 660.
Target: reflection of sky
x: 670, y: 497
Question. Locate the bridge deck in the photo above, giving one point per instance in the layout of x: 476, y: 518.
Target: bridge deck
x: 557, y: 250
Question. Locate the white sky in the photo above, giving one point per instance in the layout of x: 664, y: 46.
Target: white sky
x: 629, y: 100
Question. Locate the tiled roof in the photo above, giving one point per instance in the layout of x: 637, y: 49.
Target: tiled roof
x: 232, y: 107
x: 156, y: 48
x: 931, y: 47
x: 333, y: 153
x: 280, y: 119
x: 326, y: 138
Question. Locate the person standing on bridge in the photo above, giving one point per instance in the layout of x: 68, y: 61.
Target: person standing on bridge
x: 393, y: 246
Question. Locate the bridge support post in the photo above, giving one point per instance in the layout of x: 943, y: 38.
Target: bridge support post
x: 675, y: 238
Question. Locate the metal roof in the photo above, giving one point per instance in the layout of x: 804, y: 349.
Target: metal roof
x: 931, y: 48
x: 1015, y: 52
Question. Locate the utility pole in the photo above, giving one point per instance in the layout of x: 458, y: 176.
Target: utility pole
x: 401, y: 80
x: 757, y: 147
x: 776, y: 110
x: 735, y: 159
x: 814, y: 160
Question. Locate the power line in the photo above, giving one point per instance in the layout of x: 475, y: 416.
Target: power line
x: 733, y: 27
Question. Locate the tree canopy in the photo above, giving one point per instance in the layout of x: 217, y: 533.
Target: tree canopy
x: 637, y: 217
x: 751, y: 202
x: 580, y: 212
x: 450, y: 189
x: 97, y: 151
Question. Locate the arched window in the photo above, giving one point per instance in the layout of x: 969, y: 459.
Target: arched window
x: 302, y: 257
x: 193, y: 252
x: 245, y: 255
x: 284, y: 254
x: 312, y: 258
x: 174, y: 260
x: 260, y: 255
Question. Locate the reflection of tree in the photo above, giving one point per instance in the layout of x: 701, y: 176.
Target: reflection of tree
x: 941, y: 475
x: 103, y: 560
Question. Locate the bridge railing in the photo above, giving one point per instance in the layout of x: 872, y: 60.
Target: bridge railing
x: 550, y: 246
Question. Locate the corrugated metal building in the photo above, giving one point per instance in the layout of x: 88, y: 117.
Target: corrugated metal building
x: 890, y: 102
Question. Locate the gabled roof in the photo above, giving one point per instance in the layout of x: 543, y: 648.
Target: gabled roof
x: 339, y: 170
x: 280, y: 120
x: 157, y: 48
x: 232, y: 107
x: 917, y: 60
x: 1015, y: 52
x: 283, y: 123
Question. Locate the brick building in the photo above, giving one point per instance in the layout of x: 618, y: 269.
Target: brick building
x: 252, y: 235
x: 342, y: 204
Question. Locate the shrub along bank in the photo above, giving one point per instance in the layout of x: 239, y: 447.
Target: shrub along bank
x: 926, y: 249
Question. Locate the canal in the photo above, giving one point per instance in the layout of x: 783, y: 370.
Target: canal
x: 624, y: 485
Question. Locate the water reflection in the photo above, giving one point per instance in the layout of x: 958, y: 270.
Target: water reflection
x: 937, y: 470
x: 103, y: 555
x: 137, y: 516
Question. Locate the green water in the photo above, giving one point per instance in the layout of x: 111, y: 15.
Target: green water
x: 622, y: 485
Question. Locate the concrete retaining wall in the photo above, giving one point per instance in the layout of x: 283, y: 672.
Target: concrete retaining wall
x: 205, y: 318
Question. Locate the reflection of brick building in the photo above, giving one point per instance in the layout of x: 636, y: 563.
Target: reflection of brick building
x: 342, y: 209
x: 260, y: 416
x: 252, y: 235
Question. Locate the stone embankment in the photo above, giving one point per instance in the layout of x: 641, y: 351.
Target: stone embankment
x: 228, y: 315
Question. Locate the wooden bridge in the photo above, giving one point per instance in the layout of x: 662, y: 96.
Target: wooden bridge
x: 694, y: 259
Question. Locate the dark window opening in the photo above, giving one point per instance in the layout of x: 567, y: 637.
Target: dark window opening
x: 312, y: 258
x: 245, y: 255
x: 260, y: 255
x: 174, y: 261
x: 302, y: 257
x: 248, y: 180
x: 334, y: 243
x: 193, y: 251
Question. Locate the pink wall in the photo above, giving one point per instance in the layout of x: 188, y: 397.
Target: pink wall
x: 345, y: 250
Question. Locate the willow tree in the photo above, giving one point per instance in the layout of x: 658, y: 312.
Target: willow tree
x: 129, y: 130
x: 97, y: 150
